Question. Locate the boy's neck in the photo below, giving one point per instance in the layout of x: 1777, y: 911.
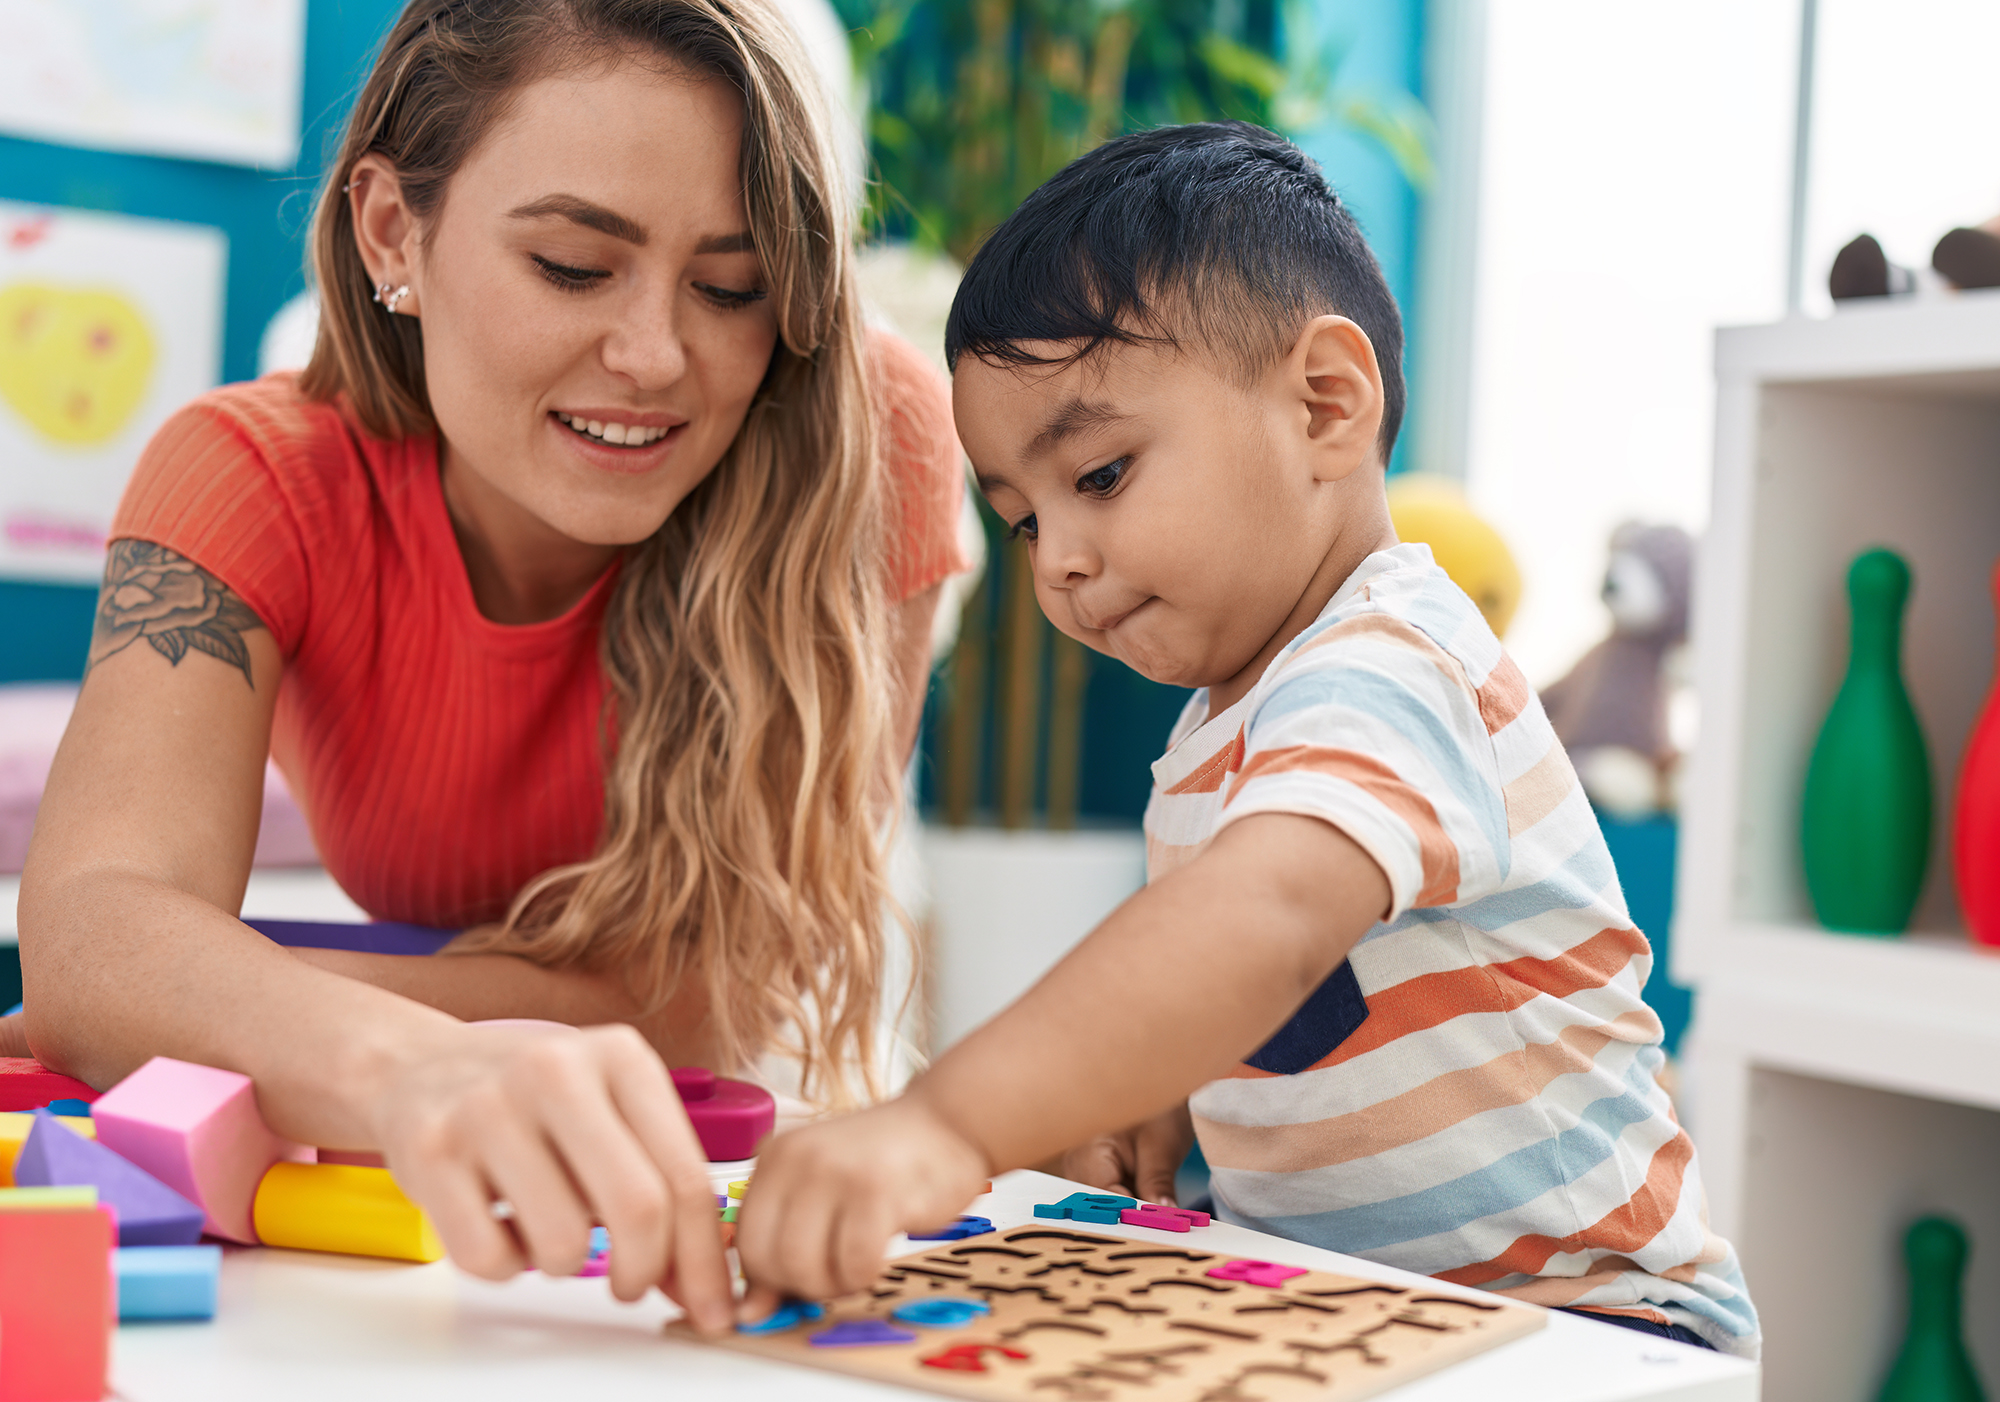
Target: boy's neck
x: 1361, y: 535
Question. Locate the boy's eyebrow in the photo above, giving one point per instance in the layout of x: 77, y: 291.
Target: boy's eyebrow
x: 1073, y: 417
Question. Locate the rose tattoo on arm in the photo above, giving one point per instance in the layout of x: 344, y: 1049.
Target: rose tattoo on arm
x: 154, y: 593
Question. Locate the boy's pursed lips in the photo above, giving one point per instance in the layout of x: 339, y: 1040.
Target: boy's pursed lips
x: 1106, y: 624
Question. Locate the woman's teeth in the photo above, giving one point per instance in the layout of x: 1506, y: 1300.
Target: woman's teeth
x: 623, y: 435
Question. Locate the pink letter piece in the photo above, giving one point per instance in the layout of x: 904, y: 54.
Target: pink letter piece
x: 1166, y: 1219
x: 1268, y: 1273
x: 196, y: 1129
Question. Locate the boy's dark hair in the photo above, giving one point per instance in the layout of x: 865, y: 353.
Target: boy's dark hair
x: 1219, y: 229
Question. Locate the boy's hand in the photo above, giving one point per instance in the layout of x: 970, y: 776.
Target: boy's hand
x: 827, y: 1198
x: 1139, y: 1162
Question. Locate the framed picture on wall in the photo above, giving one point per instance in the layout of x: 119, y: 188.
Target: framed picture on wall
x: 108, y: 324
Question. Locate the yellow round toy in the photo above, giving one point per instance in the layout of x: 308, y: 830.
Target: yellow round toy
x: 1433, y: 510
x: 74, y: 361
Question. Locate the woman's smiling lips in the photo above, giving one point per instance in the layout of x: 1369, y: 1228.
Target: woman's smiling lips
x: 618, y: 440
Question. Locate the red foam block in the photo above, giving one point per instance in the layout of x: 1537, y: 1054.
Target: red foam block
x: 55, y: 1305
x: 26, y: 1084
x: 729, y: 1117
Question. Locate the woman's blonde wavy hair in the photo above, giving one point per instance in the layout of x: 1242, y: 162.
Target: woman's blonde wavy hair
x: 746, y: 644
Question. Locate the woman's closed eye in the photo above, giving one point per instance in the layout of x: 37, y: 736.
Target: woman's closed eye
x: 729, y: 298
x: 567, y: 278
x: 1103, y: 481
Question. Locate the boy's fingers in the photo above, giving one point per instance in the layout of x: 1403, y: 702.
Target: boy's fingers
x: 862, y: 1236
x: 1097, y: 1163
x: 757, y: 1303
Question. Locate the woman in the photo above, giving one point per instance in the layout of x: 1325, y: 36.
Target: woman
x: 570, y: 590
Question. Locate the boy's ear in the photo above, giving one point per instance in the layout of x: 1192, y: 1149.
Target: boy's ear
x: 1333, y: 373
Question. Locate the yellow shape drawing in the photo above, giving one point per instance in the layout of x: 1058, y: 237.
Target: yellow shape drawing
x: 1434, y: 510
x: 74, y: 361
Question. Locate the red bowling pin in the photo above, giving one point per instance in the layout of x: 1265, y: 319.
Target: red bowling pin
x: 1976, y: 843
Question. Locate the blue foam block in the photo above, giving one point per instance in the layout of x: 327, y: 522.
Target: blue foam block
x: 166, y: 1282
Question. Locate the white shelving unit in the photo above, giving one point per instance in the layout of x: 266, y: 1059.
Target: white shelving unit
x: 1840, y: 1085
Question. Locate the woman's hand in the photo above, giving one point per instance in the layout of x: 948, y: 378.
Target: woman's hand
x: 570, y: 1128
x: 1139, y: 1162
x: 827, y: 1198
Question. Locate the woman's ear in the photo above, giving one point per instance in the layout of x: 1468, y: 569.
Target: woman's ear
x: 385, y: 231
x: 1333, y: 375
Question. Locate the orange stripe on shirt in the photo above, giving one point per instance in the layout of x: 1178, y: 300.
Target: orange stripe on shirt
x: 1376, y: 779
x: 1214, y: 770
x: 1504, y: 696
x: 1625, y: 1229
x: 1428, y: 1000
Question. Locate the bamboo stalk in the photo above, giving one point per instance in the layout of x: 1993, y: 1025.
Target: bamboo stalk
x: 1072, y: 679
x: 965, y: 716
x: 1020, y: 720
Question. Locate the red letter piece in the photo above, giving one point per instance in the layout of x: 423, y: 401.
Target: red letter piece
x: 1268, y: 1273
x: 969, y: 1358
x: 1167, y: 1219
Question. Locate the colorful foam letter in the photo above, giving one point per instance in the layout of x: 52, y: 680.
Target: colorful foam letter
x: 1166, y: 1219
x: 957, y: 1231
x: 196, y: 1129
x: 1267, y: 1273
x: 1086, y: 1207
x: 166, y: 1282
x: 149, y: 1212
x: 55, y: 1295
x: 339, y: 1207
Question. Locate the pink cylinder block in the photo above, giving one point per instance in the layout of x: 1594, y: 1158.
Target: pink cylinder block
x: 729, y: 1117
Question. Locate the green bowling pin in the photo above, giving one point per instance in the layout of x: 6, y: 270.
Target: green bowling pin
x: 1867, y: 829
x: 1933, y: 1365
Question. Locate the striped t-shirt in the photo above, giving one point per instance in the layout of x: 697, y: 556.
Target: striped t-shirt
x: 1472, y: 1094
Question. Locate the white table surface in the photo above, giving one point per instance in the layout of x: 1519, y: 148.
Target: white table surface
x: 301, y: 1326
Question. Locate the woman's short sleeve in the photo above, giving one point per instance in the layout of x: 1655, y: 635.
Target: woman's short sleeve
x: 926, y: 478
x: 204, y: 489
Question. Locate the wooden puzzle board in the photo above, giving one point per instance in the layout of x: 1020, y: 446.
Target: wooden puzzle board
x: 1102, y: 1318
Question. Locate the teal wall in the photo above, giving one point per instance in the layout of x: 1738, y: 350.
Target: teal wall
x: 44, y: 628
x: 1383, y: 46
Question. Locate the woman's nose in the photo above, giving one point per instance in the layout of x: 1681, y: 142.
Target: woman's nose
x: 645, y: 346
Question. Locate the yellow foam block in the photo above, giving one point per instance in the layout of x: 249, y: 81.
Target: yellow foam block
x: 47, y: 1199
x: 14, y: 1133
x: 342, y: 1207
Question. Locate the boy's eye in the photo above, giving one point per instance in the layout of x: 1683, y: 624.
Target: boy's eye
x: 1023, y: 527
x: 567, y: 278
x: 1103, y: 481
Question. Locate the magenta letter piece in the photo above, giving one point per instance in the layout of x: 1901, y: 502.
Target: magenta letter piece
x: 1268, y: 1273
x: 1166, y: 1219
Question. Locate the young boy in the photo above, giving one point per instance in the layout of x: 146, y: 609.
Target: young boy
x: 1383, y: 957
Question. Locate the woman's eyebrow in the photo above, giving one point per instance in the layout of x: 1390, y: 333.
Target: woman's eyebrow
x: 581, y: 211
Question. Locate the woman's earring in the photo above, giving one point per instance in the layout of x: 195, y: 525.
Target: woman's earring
x: 389, y: 298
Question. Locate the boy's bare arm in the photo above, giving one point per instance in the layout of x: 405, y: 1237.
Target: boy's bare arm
x: 1175, y: 988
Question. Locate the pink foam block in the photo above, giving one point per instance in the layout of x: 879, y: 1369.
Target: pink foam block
x: 196, y: 1129
x: 729, y: 1117
x: 26, y: 1084
x: 149, y: 1212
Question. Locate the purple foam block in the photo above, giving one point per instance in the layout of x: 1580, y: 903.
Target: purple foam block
x: 853, y: 1333
x: 149, y: 1213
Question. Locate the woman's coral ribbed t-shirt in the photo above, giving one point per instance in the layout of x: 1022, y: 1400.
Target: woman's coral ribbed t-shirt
x: 442, y: 760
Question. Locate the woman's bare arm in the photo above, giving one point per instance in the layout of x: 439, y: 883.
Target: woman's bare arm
x: 142, y: 849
